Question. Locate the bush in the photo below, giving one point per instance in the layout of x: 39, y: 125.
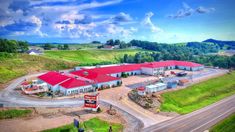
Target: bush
x: 147, y: 106
x: 124, y: 75
x: 98, y: 110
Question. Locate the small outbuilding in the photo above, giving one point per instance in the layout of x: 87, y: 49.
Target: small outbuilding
x: 172, y: 84
x: 155, y: 87
x: 141, y: 91
x: 34, y: 52
x: 183, y: 82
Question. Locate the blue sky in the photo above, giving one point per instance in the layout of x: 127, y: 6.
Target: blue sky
x: 169, y: 21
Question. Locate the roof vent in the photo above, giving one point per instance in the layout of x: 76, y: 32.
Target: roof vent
x: 85, y: 73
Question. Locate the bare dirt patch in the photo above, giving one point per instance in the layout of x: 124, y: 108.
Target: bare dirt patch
x: 46, y: 118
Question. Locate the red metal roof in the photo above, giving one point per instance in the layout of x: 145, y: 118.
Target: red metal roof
x: 72, y: 83
x: 53, y: 78
x: 99, y: 75
x: 187, y: 63
x: 171, y: 63
x: 96, y: 77
x: 116, y: 69
x: 141, y: 89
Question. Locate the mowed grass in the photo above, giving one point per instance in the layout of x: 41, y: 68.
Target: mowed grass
x: 90, y: 56
x: 13, y: 113
x: 94, y: 125
x: 199, y: 95
x: 16, y: 65
x: 226, y: 125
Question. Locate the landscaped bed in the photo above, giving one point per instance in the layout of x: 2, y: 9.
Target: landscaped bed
x: 94, y: 125
x: 226, y: 125
x: 199, y: 95
x: 13, y: 113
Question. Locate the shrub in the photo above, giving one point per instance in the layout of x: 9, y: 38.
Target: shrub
x: 99, y: 110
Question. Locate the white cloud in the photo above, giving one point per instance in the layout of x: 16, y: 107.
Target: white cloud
x: 148, y: 22
x: 188, y: 11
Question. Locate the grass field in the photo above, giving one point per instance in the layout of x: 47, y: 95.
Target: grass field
x: 16, y: 65
x: 94, y: 125
x: 88, y: 57
x: 13, y: 113
x: 199, y: 95
x: 226, y: 125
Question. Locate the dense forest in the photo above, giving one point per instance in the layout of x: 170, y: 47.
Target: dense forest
x: 192, y: 51
x: 195, y: 48
x: 222, y: 44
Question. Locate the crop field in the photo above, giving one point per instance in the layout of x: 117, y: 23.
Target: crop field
x: 93, y: 125
x: 226, y: 125
x: 88, y: 57
x: 199, y: 95
x: 16, y: 65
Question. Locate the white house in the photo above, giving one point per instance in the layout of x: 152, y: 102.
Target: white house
x: 34, y: 52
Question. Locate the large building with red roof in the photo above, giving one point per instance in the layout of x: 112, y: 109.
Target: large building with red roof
x: 85, y: 80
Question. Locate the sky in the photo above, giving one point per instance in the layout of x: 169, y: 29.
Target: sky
x: 82, y: 21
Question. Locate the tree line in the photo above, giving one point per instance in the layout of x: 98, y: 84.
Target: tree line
x: 195, y: 48
x: 117, y: 42
x: 13, y: 46
x: 48, y: 46
x: 208, y: 60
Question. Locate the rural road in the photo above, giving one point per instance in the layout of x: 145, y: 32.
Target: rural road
x: 197, y: 121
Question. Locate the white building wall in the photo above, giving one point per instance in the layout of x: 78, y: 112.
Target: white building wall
x: 116, y: 74
x: 147, y: 71
x: 155, y: 89
x: 110, y: 84
x: 136, y: 72
x: 76, y: 90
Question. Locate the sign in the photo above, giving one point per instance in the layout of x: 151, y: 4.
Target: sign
x: 91, y: 101
x: 76, y: 123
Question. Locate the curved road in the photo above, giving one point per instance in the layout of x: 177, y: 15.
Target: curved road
x: 11, y: 98
x: 197, y: 121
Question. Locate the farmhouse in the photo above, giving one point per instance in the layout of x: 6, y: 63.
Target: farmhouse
x: 86, y: 80
x: 34, y: 52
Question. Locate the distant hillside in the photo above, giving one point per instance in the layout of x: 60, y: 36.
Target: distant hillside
x: 13, y: 65
x: 222, y: 44
x: 90, y: 56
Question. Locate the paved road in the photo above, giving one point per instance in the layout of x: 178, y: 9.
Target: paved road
x: 208, y: 72
x: 199, y: 120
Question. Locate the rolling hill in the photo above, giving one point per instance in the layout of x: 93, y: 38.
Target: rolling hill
x: 222, y: 44
x: 90, y: 56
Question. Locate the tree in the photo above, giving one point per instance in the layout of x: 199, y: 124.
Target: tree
x: 125, y: 58
x: 66, y: 47
x: 60, y: 47
x: 47, y: 47
x: 110, y: 42
x: 95, y: 42
x: 117, y: 42
x: 23, y: 46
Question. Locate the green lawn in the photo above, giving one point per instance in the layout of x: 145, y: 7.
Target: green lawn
x: 91, y: 56
x: 16, y: 65
x: 226, y: 125
x: 94, y: 124
x: 199, y: 95
x: 13, y: 113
